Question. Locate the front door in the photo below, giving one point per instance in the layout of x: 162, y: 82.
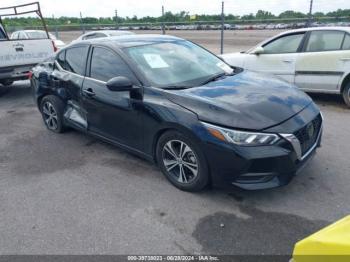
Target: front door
x: 278, y: 58
x: 111, y: 114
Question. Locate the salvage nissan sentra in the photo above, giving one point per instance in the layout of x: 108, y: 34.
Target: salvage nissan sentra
x: 172, y: 102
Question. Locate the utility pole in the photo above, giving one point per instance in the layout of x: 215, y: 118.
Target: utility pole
x: 81, y: 22
x: 163, y: 25
x: 116, y: 19
x: 222, y: 27
x: 310, y: 14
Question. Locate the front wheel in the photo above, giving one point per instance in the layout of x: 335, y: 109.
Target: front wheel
x: 346, y: 94
x: 182, y: 162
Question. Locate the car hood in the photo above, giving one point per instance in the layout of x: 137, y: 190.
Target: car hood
x: 247, y: 100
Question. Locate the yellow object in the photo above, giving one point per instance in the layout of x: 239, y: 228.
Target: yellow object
x: 193, y: 17
x: 331, y: 244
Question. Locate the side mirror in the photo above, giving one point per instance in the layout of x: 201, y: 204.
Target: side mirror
x: 259, y: 50
x: 119, y: 83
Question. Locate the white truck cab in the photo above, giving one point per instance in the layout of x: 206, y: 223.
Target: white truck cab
x: 17, y: 57
x: 314, y: 59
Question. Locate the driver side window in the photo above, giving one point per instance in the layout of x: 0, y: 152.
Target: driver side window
x: 106, y: 64
x: 284, y: 44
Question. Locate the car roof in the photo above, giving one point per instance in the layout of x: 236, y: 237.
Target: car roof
x: 31, y: 31
x: 332, y: 28
x: 121, y: 32
x: 129, y: 40
x: 115, y: 31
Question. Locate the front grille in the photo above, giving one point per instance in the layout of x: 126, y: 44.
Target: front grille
x: 307, y: 135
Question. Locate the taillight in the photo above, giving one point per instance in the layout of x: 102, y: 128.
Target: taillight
x: 54, y: 46
x: 30, y: 75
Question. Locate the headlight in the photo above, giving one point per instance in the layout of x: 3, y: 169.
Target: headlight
x: 241, y: 137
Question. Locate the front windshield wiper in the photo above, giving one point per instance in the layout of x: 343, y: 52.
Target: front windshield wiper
x: 213, y: 78
x: 176, y: 87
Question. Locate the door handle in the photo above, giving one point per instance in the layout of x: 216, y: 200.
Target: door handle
x: 345, y: 59
x: 288, y: 61
x: 89, y: 92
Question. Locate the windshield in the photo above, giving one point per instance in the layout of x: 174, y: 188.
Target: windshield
x: 177, y: 64
x: 36, y: 34
x: 52, y: 36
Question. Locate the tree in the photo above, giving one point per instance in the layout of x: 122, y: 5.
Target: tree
x: 264, y: 15
x: 292, y: 14
x: 318, y: 14
x: 248, y: 17
x: 339, y: 13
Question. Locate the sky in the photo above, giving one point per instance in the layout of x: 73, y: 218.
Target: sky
x: 140, y: 8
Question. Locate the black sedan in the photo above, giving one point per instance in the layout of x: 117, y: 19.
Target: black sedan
x: 172, y: 102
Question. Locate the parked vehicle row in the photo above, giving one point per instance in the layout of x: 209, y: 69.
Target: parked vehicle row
x: 314, y: 59
x: 172, y: 102
x: 227, y: 26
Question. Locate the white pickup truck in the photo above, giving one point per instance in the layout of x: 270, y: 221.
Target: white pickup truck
x: 18, y: 56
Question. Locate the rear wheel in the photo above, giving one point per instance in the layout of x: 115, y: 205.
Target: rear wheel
x: 346, y: 94
x: 182, y: 162
x: 51, y: 108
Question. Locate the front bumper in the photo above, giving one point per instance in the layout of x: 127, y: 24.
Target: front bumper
x: 261, y: 167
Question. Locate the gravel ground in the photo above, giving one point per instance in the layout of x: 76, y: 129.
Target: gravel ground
x: 71, y: 194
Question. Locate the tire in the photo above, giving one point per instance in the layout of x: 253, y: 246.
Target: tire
x: 195, y: 173
x: 52, y: 108
x: 346, y: 94
x: 6, y: 83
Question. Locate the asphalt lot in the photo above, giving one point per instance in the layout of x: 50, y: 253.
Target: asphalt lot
x: 71, y: 194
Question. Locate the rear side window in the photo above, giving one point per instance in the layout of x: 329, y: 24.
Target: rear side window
x: 106, y: 64
x: 346, y: 44
x: 76, y: 59
x: 2, y: 35
x: 284, y: 44
x: 325, y: 41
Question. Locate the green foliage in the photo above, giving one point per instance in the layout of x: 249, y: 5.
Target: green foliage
x: 182, y: 16
x: 261, y: 14
x: 292, y: 14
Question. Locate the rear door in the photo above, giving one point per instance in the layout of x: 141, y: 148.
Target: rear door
x: 279, y: 56
x: 320, y: 66
x: 69, y: 75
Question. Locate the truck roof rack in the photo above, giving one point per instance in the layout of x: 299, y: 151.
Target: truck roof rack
x: 33, y: 7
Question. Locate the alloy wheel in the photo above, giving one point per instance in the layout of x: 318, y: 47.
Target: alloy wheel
x: 50, y: 116
x: 180, y: 161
